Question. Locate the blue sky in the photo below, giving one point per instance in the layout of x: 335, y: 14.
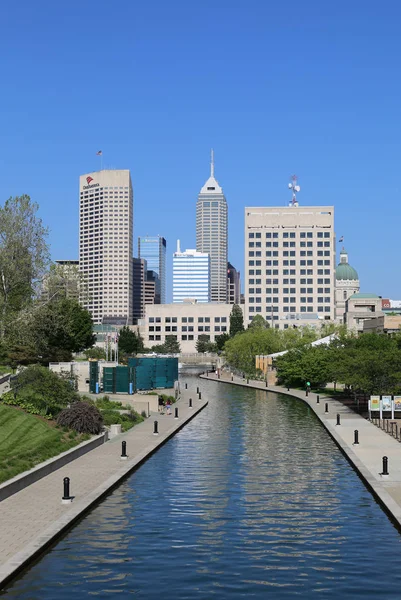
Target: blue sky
x: 309, y: 87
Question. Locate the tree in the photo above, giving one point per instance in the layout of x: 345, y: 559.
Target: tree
x: 236, y: 320
x: 171, y: 345
x: 258, y: 322
x: 24, y: 256
x: 220, y: 341
x: 202, y: 343
x: 96, y: 352
x: 83, y: 417
x: 129, y: 342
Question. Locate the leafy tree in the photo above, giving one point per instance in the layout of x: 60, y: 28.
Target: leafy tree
x: 64, y: 281
x: 129, y: 342
x: 220, y: 341
x: 202, y: 343
x: 96, y: 352
x: 258, y: 322
x: 236, y: 320
x: 171, y: 345
x: 24, y: 255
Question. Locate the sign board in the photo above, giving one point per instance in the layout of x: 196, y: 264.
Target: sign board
x: 386, y: 402
x: 397, y: 402
x: 374, y: 403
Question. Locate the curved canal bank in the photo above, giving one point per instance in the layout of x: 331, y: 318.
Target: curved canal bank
x: 31, y: 519
x: 366, y: 457
x: 250, y: 499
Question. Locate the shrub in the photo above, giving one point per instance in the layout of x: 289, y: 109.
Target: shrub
x: 106, y: 404
x: 113, y: 417
x: 83, y: 417
x: 144, y: 415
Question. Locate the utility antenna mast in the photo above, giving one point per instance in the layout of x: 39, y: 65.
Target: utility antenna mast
x: 293, y: 185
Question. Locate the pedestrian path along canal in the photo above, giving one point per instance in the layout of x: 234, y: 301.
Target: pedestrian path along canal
x: 251, y: 499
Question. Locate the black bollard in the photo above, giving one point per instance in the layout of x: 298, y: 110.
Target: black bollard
x: 317, y: 399
x: 326, y: 407
x: 200, y: 396
x: 356, y: 437
x: 338, y: 419
x: 186, y: 386
x: 288, y: 389
x: 385, y: 466
x: 66, y: 499
x: 247, y: 380
x: 266, y: 383
x: 197, y: 390
x: 232, y: 378
x: 190, y: 403
x: 392, y: 429
x: 124, y: 455
x: 155, y: 428
x: 307, y: 392
x: 176, y: 413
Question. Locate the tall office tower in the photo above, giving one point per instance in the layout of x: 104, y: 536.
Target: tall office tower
x: 211, y: 234
x: 290, y: 264
x: 191, y: 275
x: 139, y: 269
x: 233, y: 285
x: 106, y: 244
x: 153, y: 250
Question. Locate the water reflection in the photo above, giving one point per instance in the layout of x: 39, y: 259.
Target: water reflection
x: 251, y: 498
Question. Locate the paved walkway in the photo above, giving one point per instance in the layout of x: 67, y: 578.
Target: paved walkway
x: 366, y: 457
x: 31, y: 518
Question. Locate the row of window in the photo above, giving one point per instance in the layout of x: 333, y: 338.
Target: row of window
x: 292, y: 299
x: 200, y: 329
x: 291, y: 309
x: 289, y: 234
x: 302, y: 281
x: 289, y: 290
x: 270, y: 253
x: 289, y: 245
x: 187, y: 319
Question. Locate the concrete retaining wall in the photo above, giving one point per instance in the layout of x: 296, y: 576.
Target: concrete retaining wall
x: 14, y: 485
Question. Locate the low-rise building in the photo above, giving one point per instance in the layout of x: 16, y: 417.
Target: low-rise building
x: 186, y: 321
x: 360, y: 307
x: 387, y: 324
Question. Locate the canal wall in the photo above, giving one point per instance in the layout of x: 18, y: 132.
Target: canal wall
x: 366, y: 456
x: 33, y: 518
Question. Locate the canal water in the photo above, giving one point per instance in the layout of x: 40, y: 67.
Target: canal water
x: 251, y: 499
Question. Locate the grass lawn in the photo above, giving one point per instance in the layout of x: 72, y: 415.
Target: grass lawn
x: 27, y: 440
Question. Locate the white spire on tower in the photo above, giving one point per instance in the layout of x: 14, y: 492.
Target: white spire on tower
x: 212, y: 163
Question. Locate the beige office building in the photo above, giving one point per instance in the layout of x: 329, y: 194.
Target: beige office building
x: 106, y: 244
x: 186, y: 321
x: 290, y: 265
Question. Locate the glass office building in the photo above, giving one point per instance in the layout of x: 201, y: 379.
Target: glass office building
x: 153, y: 250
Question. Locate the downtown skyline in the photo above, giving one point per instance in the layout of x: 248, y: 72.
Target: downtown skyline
x: 306, y: 111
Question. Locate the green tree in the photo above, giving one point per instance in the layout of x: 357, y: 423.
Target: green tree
x: 220, y: 341
x: 24, y: 256
x: 171, y: 345
x: 202, y: 343
x: 129, y: 342
x: 96, y: 352
x: 236, y: 320
x: 258, y: 322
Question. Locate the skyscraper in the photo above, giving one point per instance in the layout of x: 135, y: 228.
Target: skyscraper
x: 191, y: 275
x: 153, y: 250
x: 289, y: 264
x: 106, y: 244
x: 211, y: 233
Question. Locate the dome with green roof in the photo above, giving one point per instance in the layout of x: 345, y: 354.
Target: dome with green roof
x: 344, y: 271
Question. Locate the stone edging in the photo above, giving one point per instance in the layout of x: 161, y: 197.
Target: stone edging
x: 19, y: 482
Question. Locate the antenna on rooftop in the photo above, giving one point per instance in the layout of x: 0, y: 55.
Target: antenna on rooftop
x: 293, y: 185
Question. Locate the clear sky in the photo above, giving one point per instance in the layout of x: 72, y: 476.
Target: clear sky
x: 306, y: 87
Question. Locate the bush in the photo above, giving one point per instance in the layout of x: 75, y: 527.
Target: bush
x: 106, y: 404
x: 113, y: 417
x: 143, y: 414
x: 83, y: 417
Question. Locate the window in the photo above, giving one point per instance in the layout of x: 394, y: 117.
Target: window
x: 200, y: 319
x: 151, y: 319
x: 217, y: 319
x: 183, y: 320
